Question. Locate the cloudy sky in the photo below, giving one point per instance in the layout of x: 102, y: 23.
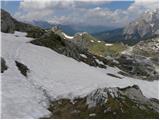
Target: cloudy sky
x: 80, y: 12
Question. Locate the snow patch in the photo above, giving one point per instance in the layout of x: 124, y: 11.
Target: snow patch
x: 20, y: 34
x: 152, y: 25
x: 83, y: 55
x: 68, y: 37
x: 127, y: 51
x: 92, y: 41
x: 92, y: 114
x: 99, y: 62
x: 107, y: 44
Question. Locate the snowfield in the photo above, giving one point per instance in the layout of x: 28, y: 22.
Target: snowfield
x: 51, y: 76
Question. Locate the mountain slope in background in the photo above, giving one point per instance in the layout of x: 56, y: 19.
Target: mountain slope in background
x: 146, y: 26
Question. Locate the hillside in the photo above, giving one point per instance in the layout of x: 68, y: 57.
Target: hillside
x: 94, y: 46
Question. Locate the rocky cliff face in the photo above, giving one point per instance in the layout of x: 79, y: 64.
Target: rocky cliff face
x: 144, y: 27
x: 9, y: 25
x: 108, y: 103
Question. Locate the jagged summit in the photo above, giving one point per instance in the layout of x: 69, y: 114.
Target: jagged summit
x: 143, y: 27
x: 146, y: 26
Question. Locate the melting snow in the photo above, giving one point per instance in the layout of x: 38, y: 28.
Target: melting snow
x: 92, y: 41
x: 92, y: 114
x: 128, y: 51
x: 99, y: 62
x: 57, y: 75
x: 83, y: 55
x: 107, y: 44
x: 20, y: 34
x: 152, y: 25
x: 69, y: 37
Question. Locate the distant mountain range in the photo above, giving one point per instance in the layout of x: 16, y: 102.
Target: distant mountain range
x: 72, y: 29
x: 144, y: 27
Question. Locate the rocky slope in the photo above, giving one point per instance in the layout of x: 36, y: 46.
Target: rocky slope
x: 141, y: 60
x: 108, y: 103
x: 94, y: 46
x: 145, y: 26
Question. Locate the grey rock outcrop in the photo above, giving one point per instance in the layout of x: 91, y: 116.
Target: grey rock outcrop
x: 103, y: 95
x: 107, y: 103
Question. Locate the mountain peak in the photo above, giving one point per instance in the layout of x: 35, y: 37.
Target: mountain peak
x: 144, y: 26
